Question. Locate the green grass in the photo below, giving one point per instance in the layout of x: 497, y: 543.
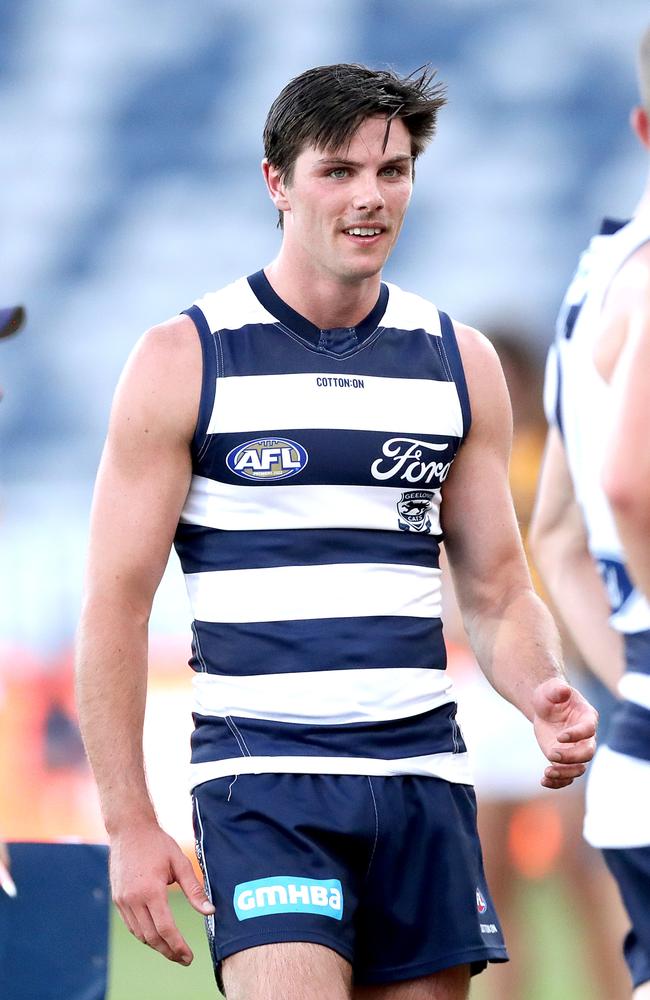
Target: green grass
x: 137, y: 973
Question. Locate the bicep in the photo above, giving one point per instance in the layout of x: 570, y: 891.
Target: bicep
x: 479, y: 523
x: 144, y: 473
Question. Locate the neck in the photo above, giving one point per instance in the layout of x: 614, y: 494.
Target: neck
x: 325, y: 300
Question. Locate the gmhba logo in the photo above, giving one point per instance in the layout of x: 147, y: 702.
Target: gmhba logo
x: 267, y: 458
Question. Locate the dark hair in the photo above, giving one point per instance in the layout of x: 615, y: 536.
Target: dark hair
x: 325, y: 106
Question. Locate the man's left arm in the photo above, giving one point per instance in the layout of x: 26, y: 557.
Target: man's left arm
x: 511, y: 631
x: 626, y: 469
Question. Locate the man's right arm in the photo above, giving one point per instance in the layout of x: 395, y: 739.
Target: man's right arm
x: 141, y: 487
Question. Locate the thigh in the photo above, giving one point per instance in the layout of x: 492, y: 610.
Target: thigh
x: 449, y: 984
x: 294, y: 970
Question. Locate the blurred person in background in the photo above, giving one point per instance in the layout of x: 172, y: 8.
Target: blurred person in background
x: 591, y: 527
x: 528, y: 836
x: 293, y: 433
x: 12, y: 319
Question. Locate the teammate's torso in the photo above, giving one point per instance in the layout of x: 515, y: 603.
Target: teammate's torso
x: 584, y: 401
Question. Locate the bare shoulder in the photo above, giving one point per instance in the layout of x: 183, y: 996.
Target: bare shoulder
x: 485, y: 380
x: 161, y: 382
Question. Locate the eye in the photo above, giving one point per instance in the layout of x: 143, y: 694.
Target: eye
x: 392, y: 171
x: 338, y: 172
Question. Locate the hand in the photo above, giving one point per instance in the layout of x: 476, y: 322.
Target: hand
x: 144, y: 861
x: 565, y: 727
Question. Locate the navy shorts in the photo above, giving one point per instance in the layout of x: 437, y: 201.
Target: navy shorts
x: 631, y: 868
x: 385, y: 871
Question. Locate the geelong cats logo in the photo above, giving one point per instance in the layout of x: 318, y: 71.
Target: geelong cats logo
x: 413, y: 509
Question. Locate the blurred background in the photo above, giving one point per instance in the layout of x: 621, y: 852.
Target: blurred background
x: 130, y: 185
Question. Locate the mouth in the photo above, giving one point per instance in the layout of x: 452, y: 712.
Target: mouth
x: 364, y: 235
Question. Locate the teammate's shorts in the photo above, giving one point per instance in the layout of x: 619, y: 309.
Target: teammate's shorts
x: 630, y: 867
x: 386, y: 871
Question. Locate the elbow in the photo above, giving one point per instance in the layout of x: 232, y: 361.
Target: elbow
x: 629, y: 499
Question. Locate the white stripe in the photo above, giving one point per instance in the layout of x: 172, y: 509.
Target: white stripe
x: 408, y: 311
x: 255, y: 404
x: 324, y: 697
x: 287, y: 593
x: 454, y: 767
x: 233, y: 307
x: 617, y: 813
x: 255, y: 508
x: 635, y: 687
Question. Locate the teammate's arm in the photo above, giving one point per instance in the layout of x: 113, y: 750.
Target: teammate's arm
x: 511, y: 631
x: 141, y: 486
x: 559, y: 545
x: 626, y: 468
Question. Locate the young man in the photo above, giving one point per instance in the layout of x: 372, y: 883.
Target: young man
x: 595, y: 480
x: 294, y: 434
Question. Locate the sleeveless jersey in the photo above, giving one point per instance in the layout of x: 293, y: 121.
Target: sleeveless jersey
x: 578, y: 401
x: 310, y: 538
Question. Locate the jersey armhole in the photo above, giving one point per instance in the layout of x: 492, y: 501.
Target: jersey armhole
x: 452, y: 351
x: 209, y: 377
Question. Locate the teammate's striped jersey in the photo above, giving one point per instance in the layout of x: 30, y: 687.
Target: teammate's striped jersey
x: 578, y: 401
x: 310, y: 538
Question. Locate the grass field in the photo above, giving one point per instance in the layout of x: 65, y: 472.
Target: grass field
x: 136, y: 973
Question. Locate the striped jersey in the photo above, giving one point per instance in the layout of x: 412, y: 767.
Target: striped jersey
x: 578, y: 402
x: 311, y: 534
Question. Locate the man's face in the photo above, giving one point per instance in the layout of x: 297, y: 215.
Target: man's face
x: 346, y: 207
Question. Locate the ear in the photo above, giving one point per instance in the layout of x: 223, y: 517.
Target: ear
x: 641, y: 125
x: 276, y: 186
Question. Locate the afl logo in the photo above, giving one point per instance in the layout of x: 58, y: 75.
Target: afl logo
x: 267, y: 458
x: 481, y: 905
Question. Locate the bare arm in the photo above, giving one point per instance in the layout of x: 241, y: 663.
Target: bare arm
x: 626, y: 476
x: 559, y: 545
x: 141, y: 486
x: 511, y: 631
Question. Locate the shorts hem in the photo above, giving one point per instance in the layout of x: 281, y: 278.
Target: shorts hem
x: 474, y: 956
x: 235, y: 945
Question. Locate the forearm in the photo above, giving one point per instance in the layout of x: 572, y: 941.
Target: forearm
x: 633, y: 523
x: 111, y: 694
x: 516, y: 644
x: 579, y: 598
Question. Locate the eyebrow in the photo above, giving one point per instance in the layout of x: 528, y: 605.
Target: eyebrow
x: 400, y: 158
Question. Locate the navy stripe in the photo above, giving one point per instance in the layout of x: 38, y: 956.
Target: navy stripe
x: 430, y: 732
x: 337, y: 458
x: 629, y: 731
x: 326, y: 341
x: 202, y: 549
x: 241, y: 649
x: 210, y: 369
x: 458, y: 372
x: 266, y: 349
x: 637, y: 652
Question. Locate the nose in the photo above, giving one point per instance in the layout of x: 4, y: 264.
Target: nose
x: 368, y: 196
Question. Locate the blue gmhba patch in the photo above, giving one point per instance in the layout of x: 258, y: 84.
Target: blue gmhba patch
x: 288, y: 894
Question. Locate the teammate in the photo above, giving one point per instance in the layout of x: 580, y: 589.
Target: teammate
x: 294, y: 434
x: 597, y: 472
